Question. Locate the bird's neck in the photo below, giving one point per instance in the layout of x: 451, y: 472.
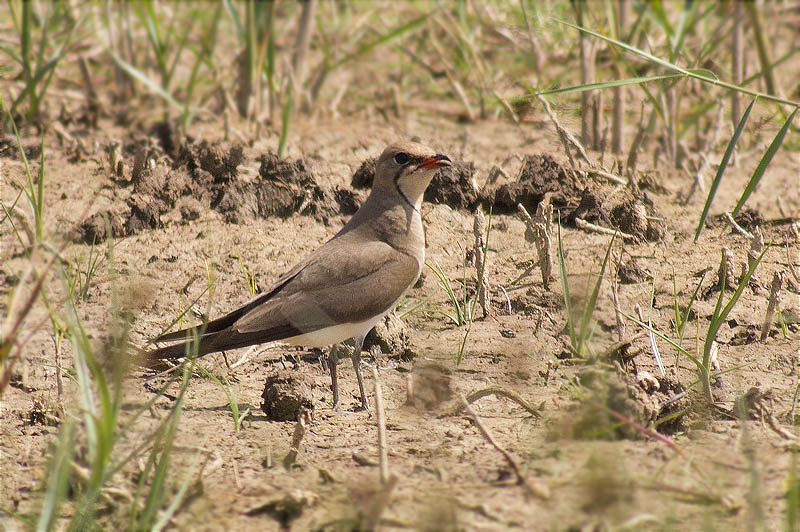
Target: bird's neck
x: 395, y: 222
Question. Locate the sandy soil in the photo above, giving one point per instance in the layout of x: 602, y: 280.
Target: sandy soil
x: 583, y: 468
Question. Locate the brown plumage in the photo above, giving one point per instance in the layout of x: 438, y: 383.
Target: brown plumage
x: 345, y: 286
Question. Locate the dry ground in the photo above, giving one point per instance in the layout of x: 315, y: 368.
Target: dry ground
x: 722, y: 473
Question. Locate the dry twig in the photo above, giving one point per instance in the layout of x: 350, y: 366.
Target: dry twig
x: 380, y: 420
x: 478, y: 229
x: 539, y: 230
x: 537, y: 490
x: 303, y: 419
x: 588, y: 226
x: 739, y: 229
x: 500, y: 392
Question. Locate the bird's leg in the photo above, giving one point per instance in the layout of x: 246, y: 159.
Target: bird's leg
x: 359, y: 343
x: 333, y: 359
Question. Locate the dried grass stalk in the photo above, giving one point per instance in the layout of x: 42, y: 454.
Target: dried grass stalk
x: 380, y: 420
x: 774, y: 301
x: 539, y: 230
x: 479, y: 230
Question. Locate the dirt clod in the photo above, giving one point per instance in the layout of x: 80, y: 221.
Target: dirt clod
x: 747, y: 218
x: 590, y: 209
x: 540, y: 174
x: 452, y: 186
x: 391, y: 336
x: 285, y: 395
x: 630, y: 272
x: 631, y: 217
x: 431, y: 386
x: 641, y: 400
x: 95, y: 229
x: 638, y: 218
x: 363, y: 177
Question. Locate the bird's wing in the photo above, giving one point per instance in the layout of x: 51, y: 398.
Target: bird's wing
x: 339, y: 284
x: 334, y: 284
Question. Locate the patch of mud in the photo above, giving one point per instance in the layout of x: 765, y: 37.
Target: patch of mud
x: 286, y: 394
x: 452, y: 186
x: 541, y: 174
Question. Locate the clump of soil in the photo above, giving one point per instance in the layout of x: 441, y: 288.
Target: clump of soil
x: 204, y: 176
x: 631, y: 272
x: 99, y: 226
x: 218, y: 159
x: 363, y: 177
x: 642, y: 399
x: 42, y: 413
x: 430, y: 386
x: 747, y: 218
x: 639, y: 219
x: 286, y: 394
x: 590, y: 209
x: 540, y: 174
x: 452, y: 186
x: 390, y: 335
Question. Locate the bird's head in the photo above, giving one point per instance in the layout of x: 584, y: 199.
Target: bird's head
x: 407, y: 169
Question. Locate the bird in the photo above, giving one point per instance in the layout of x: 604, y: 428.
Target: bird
x: 342, y: 289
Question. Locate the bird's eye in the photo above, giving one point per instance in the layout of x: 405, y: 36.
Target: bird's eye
x: 401, y: 158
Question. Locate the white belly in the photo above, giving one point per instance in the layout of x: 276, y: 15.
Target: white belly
x: 333, y: 335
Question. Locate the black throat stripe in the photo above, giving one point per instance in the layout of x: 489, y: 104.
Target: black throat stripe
x: 400, y: 191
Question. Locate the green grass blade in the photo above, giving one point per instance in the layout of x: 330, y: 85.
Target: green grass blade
x: 600, y: 85
x: 30, y: 86
x: 664, y: 337
x: 565, y: 289
x: 719, y: 317
x: 625, y: 46
x: 39, y: 201
x: 11, y: 53
x: 58, y: 478
x: 444, y: 282
x: 688, y: 310
x: 134, y: 72
x: 676, y: 68
x: 25, y: 40
x: 722, y: 166
x: 182, y: 43
x: 588, y: 311
x: 237, y: 21
x: 765, y: 160
x: 286, y: 118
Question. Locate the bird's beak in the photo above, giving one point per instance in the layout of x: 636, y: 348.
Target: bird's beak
x: 437, y: 161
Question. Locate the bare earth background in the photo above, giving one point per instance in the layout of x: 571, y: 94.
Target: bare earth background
x: 587, y: 470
